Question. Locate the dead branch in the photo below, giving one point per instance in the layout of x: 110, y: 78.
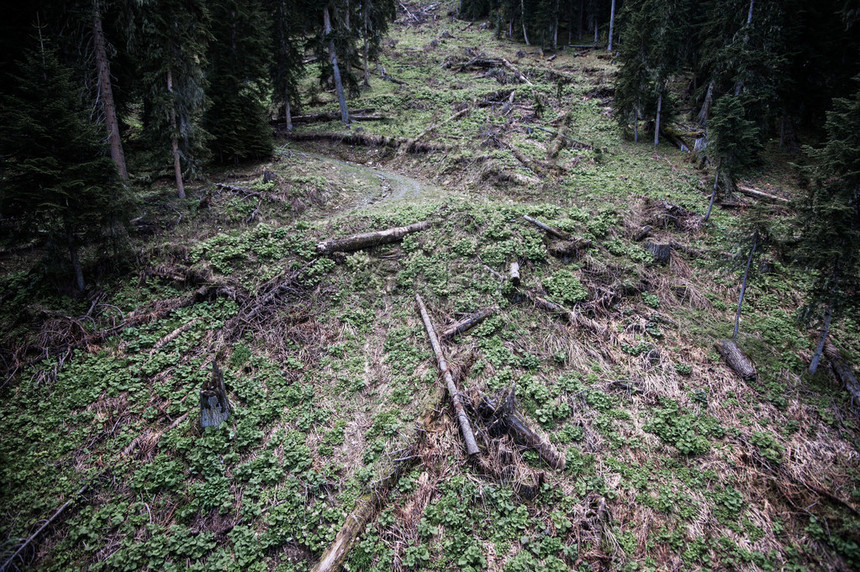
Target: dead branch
x: 465, y: 426
x: 468, y: 323
x: 368, y: 239
x: 48, y: 522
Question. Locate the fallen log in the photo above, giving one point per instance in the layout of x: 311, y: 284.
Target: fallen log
x: 363, y: 139
x: 546, y: 228
x: 505, y: 417
x: 557, y: 143
x: 136, y: 441
x: 514, y: 273
x: 736, y: 359
x: 761, y: 195
x: 368, y: 239
x: 643, y: 233
x: 539, y: 167
x: 508, y: 177
x: 516, y: 72
x: 410, y: 144
x: 568, y: 248
x: 462, y: 418
x: 468, y: 323
x: 358, y: 114
x: 843, y: 373
x: 335, y: 555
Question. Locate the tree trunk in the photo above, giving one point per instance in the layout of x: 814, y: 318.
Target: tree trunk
x: 366, y: 10
x: 737, y: 360
x: 106, y: 90
x: 514, y: 273
x: 713, y: 196
x: 523, y: 16
x: 705, y: 112
x: 288, y: 112
x: 843, y: 373
x: 548, y: 229
x: 761, y: 195
x: 174, y: 137
x: 744, y: 287
x: 465, y: 426
x: 657, y: 120
x: 813, y: 367
x: 76, y: 264
x: 366, y: 240
x: 611, y: 25
x: 338, y: 84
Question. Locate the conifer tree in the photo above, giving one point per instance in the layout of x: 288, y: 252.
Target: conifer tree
x: 58, y: 176
x: 829, y: 220
x: 170, y: 43
x: 287, y: 66
x: 239, y: 66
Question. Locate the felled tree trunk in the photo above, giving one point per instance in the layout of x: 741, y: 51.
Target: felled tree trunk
x: 761, y: 195
x: 511, y: 421
x: 546, y: 228
x: 368, y: 239
x: 468, y: 322
x: 514, y: 273
x: 336, y: 553
x: 462, y: 418
x: 737, y: 360
x: 214, y: 406
x: 563, y: 248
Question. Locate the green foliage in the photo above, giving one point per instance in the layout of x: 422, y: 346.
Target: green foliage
x: 687, y: 432
x: 56, y: 174
x: 566, y: 288
x: 734, y: 143
x: 240, y: 59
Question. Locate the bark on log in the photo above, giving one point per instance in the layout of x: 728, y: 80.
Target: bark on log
x: 214, y: 405
x: 368, y: 239
x: 558, y: 141
x: 568, y: 248
x: 546, y: 228
x: 516, y: 72
x: 468, y: 322
x: 504, y: 410
x: 643, y: 233
x: 736, y: 359
x: 358, y: 114
x: 462, y: 418
x: 761, y: 195
x: 514, y: 273
x: 662, y: 253
x: 336, y: 553
x: 843, y: 373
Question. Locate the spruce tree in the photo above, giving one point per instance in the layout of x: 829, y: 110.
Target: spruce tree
x: 829, y: 220
x: 239, y: 65
x: 57, y: 174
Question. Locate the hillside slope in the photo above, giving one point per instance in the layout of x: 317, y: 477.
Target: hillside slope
x: 671, y: 461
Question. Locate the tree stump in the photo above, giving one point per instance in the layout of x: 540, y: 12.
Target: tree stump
x: 662, y: 253
x: 214, y: 406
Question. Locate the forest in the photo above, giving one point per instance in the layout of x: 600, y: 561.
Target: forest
x: 399, y: 285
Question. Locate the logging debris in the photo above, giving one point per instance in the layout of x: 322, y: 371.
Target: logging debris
x: 843, y: 373
x: 369, y: 239
x: 462, y: 418
x: 468, y: 323
x: 736, y: 359
x: 761, y: 195
x: 214, y: 405
x: 514, y: 273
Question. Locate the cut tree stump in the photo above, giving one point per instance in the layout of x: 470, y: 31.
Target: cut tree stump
x: 214, y: 406
x: 366, y: 240
x: 514, y: 273
x: 662, y: 253
x: 737, y: 360
x: 468, y: 322
x: 843, y: 373
x: 462, y: 418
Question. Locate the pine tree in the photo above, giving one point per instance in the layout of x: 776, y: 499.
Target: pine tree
x: 58, y: 176
x: 287, y: 65
x: 170, y: 44
x: 829, y: 220
x: 239, y: 65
